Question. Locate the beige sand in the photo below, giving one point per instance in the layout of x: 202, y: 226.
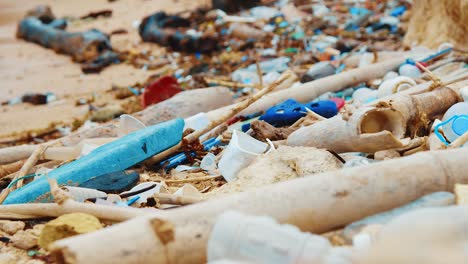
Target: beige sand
x: 27, y: 67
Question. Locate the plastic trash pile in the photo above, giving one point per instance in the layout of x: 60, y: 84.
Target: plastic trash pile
x: 327, y: 142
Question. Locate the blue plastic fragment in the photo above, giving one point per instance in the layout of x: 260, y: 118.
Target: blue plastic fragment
x: 290, y: 111
x: 115, y: 182
x: 440, y: 53
x: 133, y: 200
x: 398, y: 11
x: 114, y: 156
x: 178, y: 159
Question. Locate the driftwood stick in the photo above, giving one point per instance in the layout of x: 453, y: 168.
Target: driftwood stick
x: 8, y: 169
x: 167, y: 198
x: 195, y: 179
x: 39, y: 210
x: 460, y: 141
x: 30, y: 162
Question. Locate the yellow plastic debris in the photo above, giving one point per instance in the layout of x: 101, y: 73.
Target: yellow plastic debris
x: 66, y: 226
x: 461, y: 194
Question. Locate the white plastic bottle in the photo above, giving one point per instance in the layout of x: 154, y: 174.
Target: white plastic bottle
x: 455, y: 126
x: 260, y: 239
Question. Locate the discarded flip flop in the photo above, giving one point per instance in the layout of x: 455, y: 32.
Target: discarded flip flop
x: 290, y: 111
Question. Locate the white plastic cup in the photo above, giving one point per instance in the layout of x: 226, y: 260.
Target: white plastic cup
x: 260, y: 239
x: 409, y: 70
x: 208, y: 162
x: 197, y: 122
x: 240, y: 152
x: 129, y: 124
x: 364, y: 95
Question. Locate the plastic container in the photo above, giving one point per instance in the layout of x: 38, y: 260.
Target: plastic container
x: 409, y: 70
x: 80, y: 194
x: 197, y: 122
x: 260, y: 239
x: 143, y: 197
x: 390, y: 75
x: 358, y: 161
x: 317, y: 71
x: 436, y: 199
x: 208, y: 162
x: 240, y: 152
x: 454, y: 123
x: 364, y: 95
x: 264, y: 12
x: 395, y: 85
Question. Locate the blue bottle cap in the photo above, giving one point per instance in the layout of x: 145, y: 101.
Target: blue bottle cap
x: 460, y: 125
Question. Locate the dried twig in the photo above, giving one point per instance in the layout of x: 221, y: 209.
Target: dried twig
x: 260, y: 74
x: 230, y: 84
x: 167, y: 198
x: 8, y: 169
x: 30, y: 162
x: 203, y: 178
x: 460, y: 141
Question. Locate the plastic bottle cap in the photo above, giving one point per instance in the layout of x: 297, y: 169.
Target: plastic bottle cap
x: 460, y: 125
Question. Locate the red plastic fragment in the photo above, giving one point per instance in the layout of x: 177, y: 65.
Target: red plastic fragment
x: 423, y: 64
x: 340, y: 102
x: 160, y: 90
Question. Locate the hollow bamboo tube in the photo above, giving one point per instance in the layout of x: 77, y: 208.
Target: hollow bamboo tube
x: 379, y: 127
x: 317, y: 204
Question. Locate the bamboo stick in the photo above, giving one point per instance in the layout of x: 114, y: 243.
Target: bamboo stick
x: 317, y: 204
x: 8, y: 169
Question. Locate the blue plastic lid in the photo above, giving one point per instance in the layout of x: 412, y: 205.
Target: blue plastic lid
x: 460, y: 125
